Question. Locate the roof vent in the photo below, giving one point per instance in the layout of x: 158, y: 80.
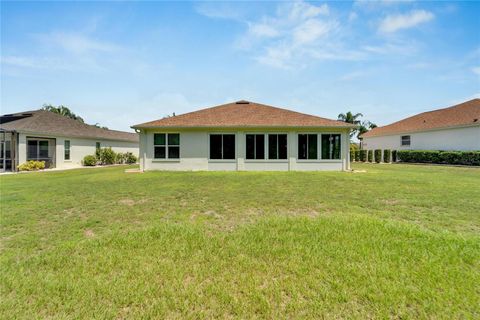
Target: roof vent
x: 242, y: 102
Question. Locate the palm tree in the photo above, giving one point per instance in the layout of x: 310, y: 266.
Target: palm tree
x: 62, y: 110
x: 349, y: 117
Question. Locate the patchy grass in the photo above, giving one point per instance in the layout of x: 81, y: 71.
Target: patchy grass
x: 396, y: 241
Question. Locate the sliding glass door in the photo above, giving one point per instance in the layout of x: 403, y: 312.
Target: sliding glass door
x: 41, y: 150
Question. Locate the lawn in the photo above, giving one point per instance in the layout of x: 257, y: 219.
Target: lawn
x: 396, y: 241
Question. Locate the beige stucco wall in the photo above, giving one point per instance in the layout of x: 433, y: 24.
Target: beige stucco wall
x: 467, y: 138
x: 194, y: 152
x: 79, y: 148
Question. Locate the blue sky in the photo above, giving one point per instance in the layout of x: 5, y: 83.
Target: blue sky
x: 122, y: 63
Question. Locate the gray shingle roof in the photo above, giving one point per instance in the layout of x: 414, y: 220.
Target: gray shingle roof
x: 46, y: 122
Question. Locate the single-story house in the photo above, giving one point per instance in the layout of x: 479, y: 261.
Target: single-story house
x: 244, y: 135
x: 453, y: 128
x: 60, y: 141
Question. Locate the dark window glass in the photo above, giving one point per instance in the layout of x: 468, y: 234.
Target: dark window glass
x: 228, y: 146
x: 215, y: 146
x: 331, y: 146
x: 66, y: 145
x: 302, y: 146
x: 250, y: 146
x: 260, y: 146
x: 173, y: 139
x: 159, y: 152
x: 32, y: 149
x: 312, y: 146
x: 173, y: 152
x: 277, y: 146
x: 43, y: 149
x: 272, y: 146
x: 159, y: 139
x: 255, y: 146
x: 405, y: 140
x: 282, y: 146
x: 97, y: 145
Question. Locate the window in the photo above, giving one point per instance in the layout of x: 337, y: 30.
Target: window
x: 97, y: 145
x: 331, y: 146
x: 37, y: 150
x: 166, y: 145
x: 255, y: 145
x: 277, y: 146
x: 307, y: 146
x: 405, y: 140
x: 222, y: 146
x: 66, y: 150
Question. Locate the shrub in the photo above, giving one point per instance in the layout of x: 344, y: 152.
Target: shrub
x: 394, y: 155
x: 31, y: 166
x: 378, y: 155
x: 352, y: 156
x: 386, y: 155
x: 471, y: 158
x: 120, y: 158
x: 89, y: 161
x: 357, y: 155
x: 130, y: 158
x: 363, y: 155
x: 107, y: 156
x: 370, y: 155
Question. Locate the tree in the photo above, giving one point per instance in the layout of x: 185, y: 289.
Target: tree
x: 62, y: 110
x: 363, y: 126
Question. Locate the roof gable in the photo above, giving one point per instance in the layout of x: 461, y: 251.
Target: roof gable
x: 243, y: 114
x: 464, y: 114
x: 46, y: 122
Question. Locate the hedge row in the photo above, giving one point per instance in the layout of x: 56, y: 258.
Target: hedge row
x: 471, y: 158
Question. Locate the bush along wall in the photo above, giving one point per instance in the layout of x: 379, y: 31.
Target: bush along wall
x: 106, y: 156
x: 357, y: 155
x: 370, y: 155
x: 363, y: 155
x: 352, y: 156
x: 386, y: 155
x: 470, y: 158
x: 378, y: 155
x: 394, y: 155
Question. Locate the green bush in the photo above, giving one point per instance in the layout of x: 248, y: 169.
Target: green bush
x: 130, y: 158
x: 352, y: 156
x: 386, y: 155
x: 357, y: 155
x: 363, y: 155
x: 370, y: 155
x: 120, y: 158
x: 31, y: 166
x: 378, y: 155
x: 394, y: 155
x: 471, y: 158
x: 107, y: 156
x: 89, y: 161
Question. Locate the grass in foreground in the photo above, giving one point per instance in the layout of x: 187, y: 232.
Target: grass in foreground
x: 394, y: 242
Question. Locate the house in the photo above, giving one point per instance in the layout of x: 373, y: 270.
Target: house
x: 244, y: 135
x: 58, y: 140
x: 453, y: 128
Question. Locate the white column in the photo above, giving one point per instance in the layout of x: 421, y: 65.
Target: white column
x: 292, y: 150
x: 240, y: 150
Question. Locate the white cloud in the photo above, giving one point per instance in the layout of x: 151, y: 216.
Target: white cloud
x: 353, y: 75
x: 311, y: 30
x: 476, y: 70
x: 76, y: 43
x: 352, y: 16
x: 263, y: 30
x: 392, y: 23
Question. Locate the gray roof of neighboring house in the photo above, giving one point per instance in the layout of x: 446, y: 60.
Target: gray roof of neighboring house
x: 46, y: 122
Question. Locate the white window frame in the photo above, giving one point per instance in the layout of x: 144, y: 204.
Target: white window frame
x: 166, y: 145
x: 409, y: 141
x: 267, y: 151
x: 319, y: 151
x: 265, y: 147
x: 223, y: 160
x: 69, y: 150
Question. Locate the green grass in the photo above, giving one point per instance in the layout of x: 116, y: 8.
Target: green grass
x: 396, y: 241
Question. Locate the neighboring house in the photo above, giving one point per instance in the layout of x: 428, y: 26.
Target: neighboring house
x: 453, y: 128
x: 58, y: 140
x: 244, y: 136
